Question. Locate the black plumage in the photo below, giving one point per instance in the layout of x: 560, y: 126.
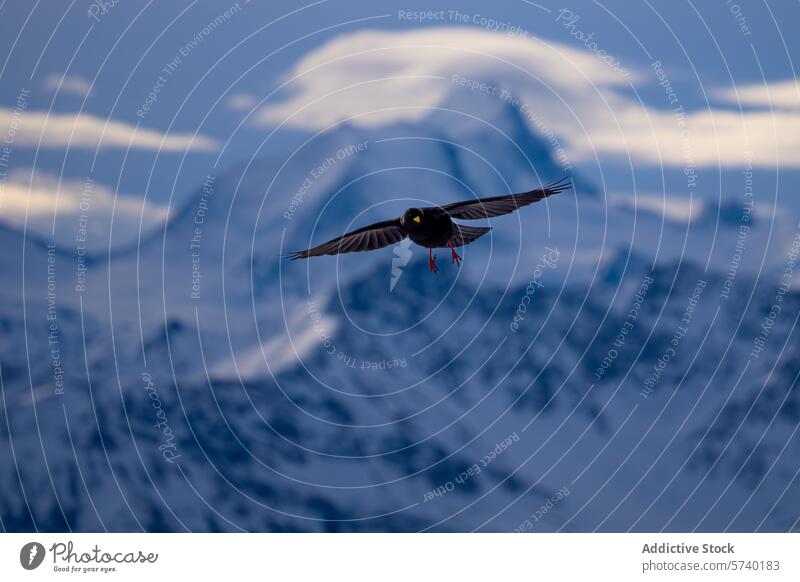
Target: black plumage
x: 433, y: 227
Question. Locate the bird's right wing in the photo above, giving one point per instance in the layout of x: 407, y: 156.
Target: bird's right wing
x: 499, y: 205
x: 368, y: 238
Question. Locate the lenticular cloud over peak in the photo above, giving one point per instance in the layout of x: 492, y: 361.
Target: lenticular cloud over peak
x: 382, y: 77
x: 375, y: 78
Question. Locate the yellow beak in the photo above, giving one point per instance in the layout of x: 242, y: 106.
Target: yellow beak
x: 417, y: 219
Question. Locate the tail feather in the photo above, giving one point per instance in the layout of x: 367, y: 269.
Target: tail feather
x: 464, y: 235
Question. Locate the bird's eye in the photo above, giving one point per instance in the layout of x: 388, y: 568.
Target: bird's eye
x: 417, y: 219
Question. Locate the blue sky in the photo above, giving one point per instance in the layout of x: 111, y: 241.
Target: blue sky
x: 170, y: 92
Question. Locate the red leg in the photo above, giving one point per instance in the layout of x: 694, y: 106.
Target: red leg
x: 456, y: 258
x: 432, y: 262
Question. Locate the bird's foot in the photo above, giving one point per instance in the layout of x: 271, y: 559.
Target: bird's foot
x: 455, y: 256
x: 432, y: 263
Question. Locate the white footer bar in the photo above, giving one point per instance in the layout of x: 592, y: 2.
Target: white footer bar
x: 389, y: 557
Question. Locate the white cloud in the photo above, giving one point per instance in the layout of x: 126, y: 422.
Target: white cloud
x: 68, y: 84
x: 241, y: 102
x: 587, y: 103
x: 43, y: 198
x: 779, y: 95
x: 701, y: 138
x: 82, y: 130
x: 673, y: 208
x: 413, y: 69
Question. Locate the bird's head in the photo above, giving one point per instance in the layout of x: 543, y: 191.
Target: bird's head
x: 413, y: 217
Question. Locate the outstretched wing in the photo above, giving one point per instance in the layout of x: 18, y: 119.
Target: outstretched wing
x: 499, y: 205
x: 374, y: 236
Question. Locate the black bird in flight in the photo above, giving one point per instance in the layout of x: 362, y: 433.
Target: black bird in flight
x: 433, y: 227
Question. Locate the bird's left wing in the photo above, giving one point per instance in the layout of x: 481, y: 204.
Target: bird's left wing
x: 368, y: 238
x: 499, y: 205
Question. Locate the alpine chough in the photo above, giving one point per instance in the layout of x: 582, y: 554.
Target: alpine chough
x: 433, y: 227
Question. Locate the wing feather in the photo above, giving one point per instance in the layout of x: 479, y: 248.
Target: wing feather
x: 499, y: 205
x: 368, y: 238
